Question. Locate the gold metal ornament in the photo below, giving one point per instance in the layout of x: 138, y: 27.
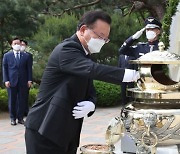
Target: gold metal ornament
x: 153, y: 118
x: 114, y: 131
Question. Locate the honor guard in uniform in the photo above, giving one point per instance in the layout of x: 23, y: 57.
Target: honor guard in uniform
x: 127, y: 52
x: 124, y: 63
x: 153, y: 30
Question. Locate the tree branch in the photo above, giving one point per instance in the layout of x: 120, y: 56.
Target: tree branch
x: 74, y: 8
x: 131, y: 9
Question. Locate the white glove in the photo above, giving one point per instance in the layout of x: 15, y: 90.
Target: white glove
x: 131, y: 75
x: 82, y: 109
x: 138, y: 34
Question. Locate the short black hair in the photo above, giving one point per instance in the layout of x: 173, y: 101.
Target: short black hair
x: 15, y: 38
x: 91, y: 17
x: 24, y: 41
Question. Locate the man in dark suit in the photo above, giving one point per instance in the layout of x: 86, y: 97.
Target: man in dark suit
x: 66, y: 93
x: 30, y: 64
x: 16, y: 77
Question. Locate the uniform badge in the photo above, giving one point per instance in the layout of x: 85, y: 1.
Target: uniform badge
x: 150, y: 20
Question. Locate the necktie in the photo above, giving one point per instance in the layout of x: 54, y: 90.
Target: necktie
x: 17, y: 58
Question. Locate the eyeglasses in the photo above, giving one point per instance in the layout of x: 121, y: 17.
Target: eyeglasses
x: 105, y: 39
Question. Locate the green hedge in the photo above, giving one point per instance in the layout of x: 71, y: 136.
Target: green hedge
x: 4, y: 98
x: 32, y: 96
x: 107, y: 95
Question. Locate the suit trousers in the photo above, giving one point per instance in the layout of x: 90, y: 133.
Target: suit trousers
x: 37, y: 144
x: 17, y: 101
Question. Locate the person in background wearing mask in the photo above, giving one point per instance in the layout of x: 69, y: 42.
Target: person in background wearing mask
x: 153, y: 30
x: 128, y: 52
x: 30, y: 64
x: 66, y: 94
x: 16, y: 77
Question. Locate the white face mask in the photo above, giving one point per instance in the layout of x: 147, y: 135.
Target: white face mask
x: 95, y: 45
x: 16, y: 47
x: 22, y: 48
x: 150, y: 35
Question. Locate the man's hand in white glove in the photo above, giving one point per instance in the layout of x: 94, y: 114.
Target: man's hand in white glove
x: 82, y: 109
x: 131, y: 75
x: 138, y: 34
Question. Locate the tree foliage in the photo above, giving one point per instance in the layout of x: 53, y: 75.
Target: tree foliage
x: 53, y: 31
x: 24, y: 17
x: 17, y: 18
x: 50, y: 34
x: 170, y: 11
x: 154, y: 7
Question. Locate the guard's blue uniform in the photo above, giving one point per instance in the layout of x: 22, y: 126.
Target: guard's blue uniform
x: 127, y: 145
x: 137, y: 50
x: 123, y: 63
x: 133, y: 52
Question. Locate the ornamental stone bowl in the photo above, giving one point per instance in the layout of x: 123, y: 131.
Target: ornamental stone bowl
x: 154, y: 68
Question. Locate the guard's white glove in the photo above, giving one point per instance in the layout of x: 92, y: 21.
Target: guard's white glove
x: 82, y: 109
x: 138, y: 34
x: 131, y: 75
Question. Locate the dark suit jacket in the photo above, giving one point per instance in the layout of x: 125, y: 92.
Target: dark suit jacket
x: 124, y: 63
x: 14, y: 73
x: 67, y: 80
x: 137, y: 50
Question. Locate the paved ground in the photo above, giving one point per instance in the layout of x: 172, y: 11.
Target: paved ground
x: 12, y: 137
